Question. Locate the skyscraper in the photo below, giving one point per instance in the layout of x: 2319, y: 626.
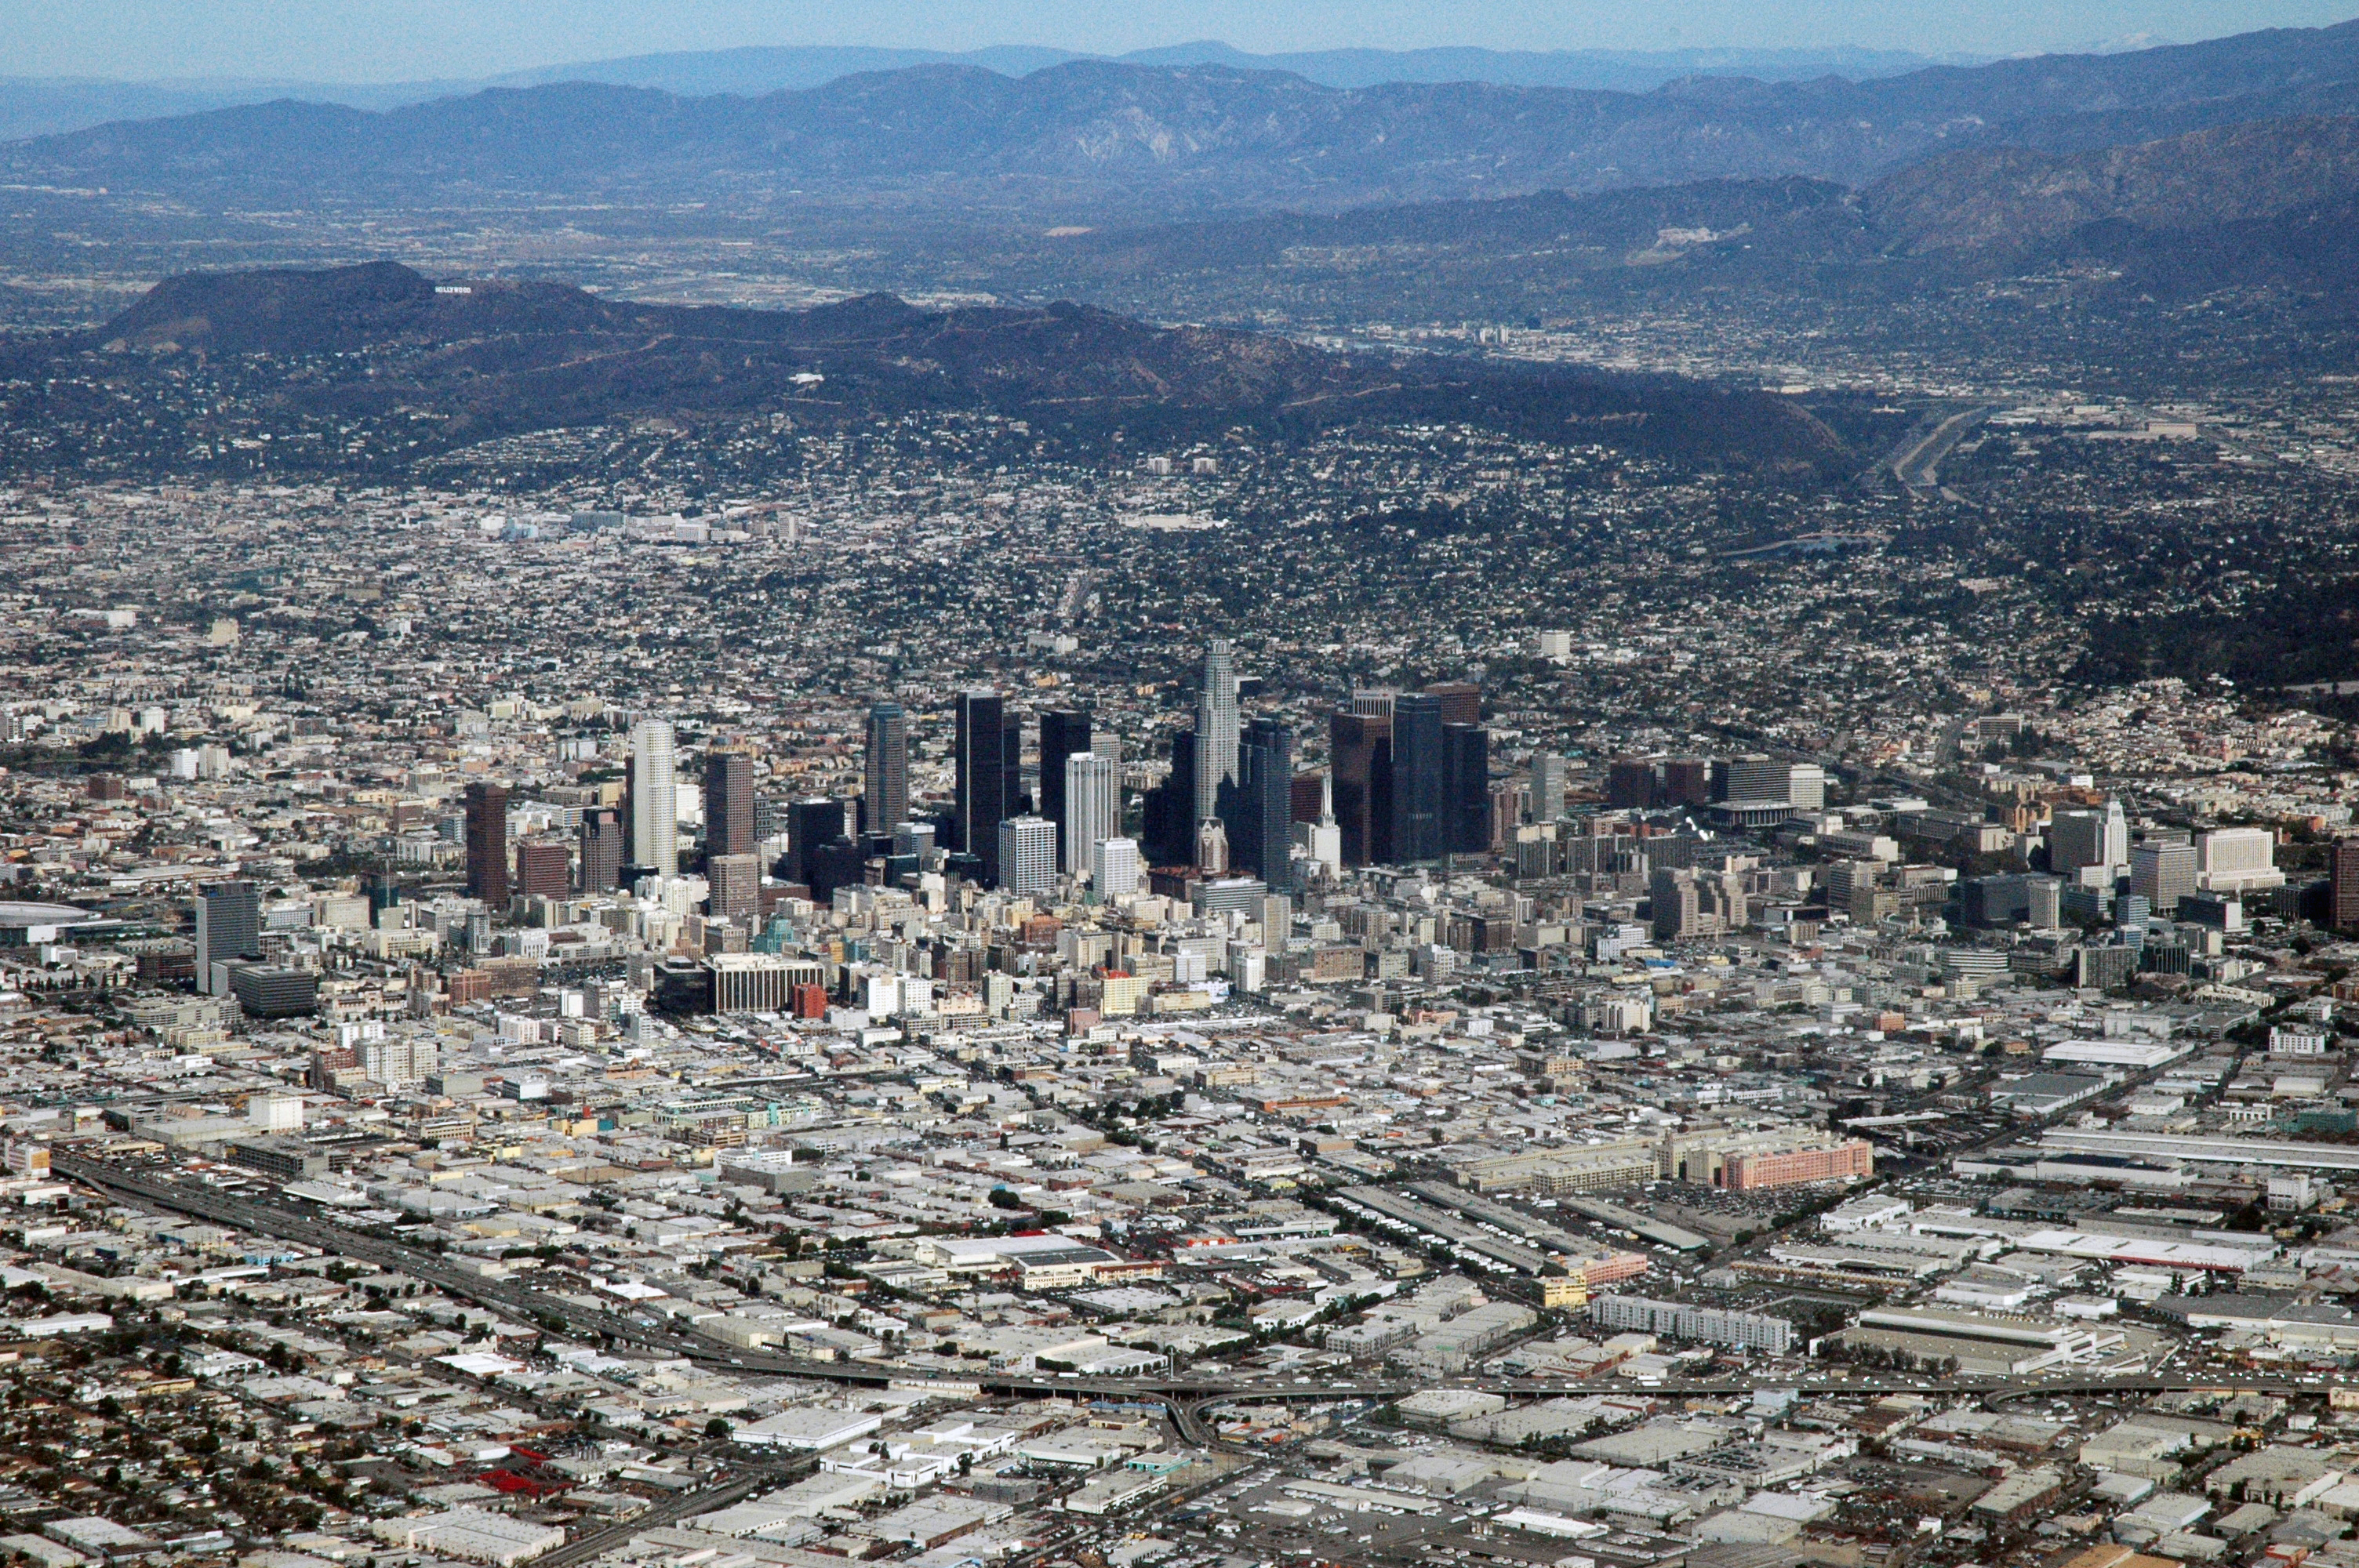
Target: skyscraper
x: 1090, y: 791
x: 884, y: 779
x: 602, y: 847
x: 1064, y: 732
x: 733, y: 887
x: 1418, y: 778
x: 1461, y: 702
x: 1548, y: 786
x: 229, y: 930
x: 1027, y: 854
x: 1465, y: 789
x: 1216, y: 727
x: 728, y: 803
x: 1171, y: 811
x: 543, y: 867
x: 981, y: 762
x: 1261, y: 837
x: 1011, y: 763
x: 811, y: 824
x: 1114, y: 866
x: 655, y: 798
x: 1361, y: 751
x: 2342, y: 883
x: 2079, y: 840
x: 487, y: 844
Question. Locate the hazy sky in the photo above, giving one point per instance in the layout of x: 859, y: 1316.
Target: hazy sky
x: 401, y: 39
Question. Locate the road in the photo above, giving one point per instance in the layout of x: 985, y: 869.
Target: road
x: 1919, y: 465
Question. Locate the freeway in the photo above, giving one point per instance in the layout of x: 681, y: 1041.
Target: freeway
x: 1186, y: 1396
x: 672, y: 1510
x: 1919, y: 465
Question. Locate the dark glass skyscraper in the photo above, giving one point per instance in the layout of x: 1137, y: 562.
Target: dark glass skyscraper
x: 728, y: 803
x: 1362, y: 752
x: 884, y: 783
x: 487, y: 844
x: 1418, y: 778
x: 1064, y: 732
x: 1170, y: 817
x: 982, y: 765
x: 1261, y: 829
x: 811, y: 824
x: 1465, y: 789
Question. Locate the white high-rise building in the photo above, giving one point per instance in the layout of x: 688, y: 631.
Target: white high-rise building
x: 1216, y: 728
x: 655, y: 797
x: 1093, y: 806
x: 2239, y: 860
x: 1114, y: 866
x: 1027, y: 854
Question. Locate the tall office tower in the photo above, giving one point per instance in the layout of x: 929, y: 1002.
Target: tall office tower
x: 1212, y: 847
x: 1753, y: 778
x: 1011, y: 760
x: 1216, y: 727
x: 2162, y: 874
x: 1262, y: 839
x: 1548, y: 786
x: 2044, y: 899
x: 1461, y: 702
x: 1114, y: 866
x: 487, y: 845
x: 1465, y: 789
x: 885, y: 777
x: 1630, y: 784
x: 602, y: 847
x: 1419, y: 777
x: 1805, y: 787
x: 1089, y: 795
x: 229, y: 930
x: 2088, y: 838
x: 1027, y: 854
x: 1373, y: 702
x: 1307, y: 798
x: 1360, y: 751
x: 655, y: 798
x: 1686, y: 781
x: 983, y: 797
x: 543, y: 867
x: 811, y: 824
x: 728, y: 803
x: 1064, y: 732
x: 1168, y: 819
x: 2342, y: 883
x: 733, y: 887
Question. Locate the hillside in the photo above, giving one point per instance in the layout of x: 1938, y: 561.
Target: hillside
x: 361, y: 351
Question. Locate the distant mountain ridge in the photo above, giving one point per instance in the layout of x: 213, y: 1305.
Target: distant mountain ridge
x: 41, y: 106
x: 1087, y: 137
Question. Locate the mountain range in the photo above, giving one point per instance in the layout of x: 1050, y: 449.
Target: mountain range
x: 1095, y: 139
x: 299, y: 354
x: 39, y: 107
